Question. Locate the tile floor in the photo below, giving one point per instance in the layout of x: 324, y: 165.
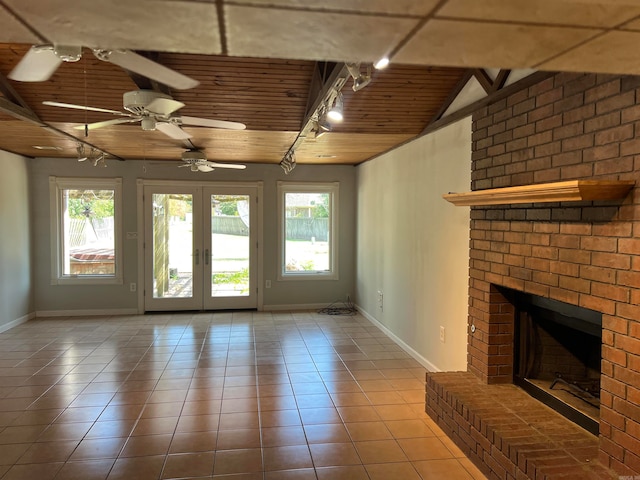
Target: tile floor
x: 234, y: 396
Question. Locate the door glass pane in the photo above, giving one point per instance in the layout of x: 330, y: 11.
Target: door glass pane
x: 229, y: 245
x: 172, y: 245
x: 89, y: 234
x: 307, y: 221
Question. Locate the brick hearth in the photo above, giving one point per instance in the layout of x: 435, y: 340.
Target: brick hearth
x: 510, y: 435
x: 570, y: 126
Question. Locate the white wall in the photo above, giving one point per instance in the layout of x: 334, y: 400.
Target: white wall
x: 64, y: 298
x: 15, y: 241
x: 414, y: 246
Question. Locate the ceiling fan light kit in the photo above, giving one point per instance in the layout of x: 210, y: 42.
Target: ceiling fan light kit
x: 154, y: 110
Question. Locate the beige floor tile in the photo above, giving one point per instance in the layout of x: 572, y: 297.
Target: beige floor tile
x: 48, y: 452
x: 409, y: 428
x: 349, y: 472
x: 287, y: 457
x: 189, y: 465
x: 213, y: 395
x: 429, y: 448
x: 238, y: 461
x: 297, y: 474
x: 361, y: 431
x: 193, y: 442
x: 282, y: 436
x: 238, y: 439
x: 450, y: 469
x: 87, y: 470
x: 334, y: 454
x: 386, y: 471
x: 327, y: 433
x: 147, y: 445
x: 140, y: 468
x: 41, y: 471
x: 380, y: 451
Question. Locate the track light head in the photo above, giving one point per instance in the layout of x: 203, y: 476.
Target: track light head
x: 382, y: 63
x: 335, y: 113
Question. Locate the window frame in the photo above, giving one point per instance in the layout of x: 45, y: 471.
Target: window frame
x: 333, y: 189
x: 57, y: 185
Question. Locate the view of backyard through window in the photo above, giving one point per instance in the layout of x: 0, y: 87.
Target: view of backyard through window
x: 307, y: 232
x: 89, y: 235
x: 229, y: 252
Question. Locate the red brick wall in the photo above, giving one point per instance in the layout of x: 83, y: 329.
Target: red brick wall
x: 570, y: 126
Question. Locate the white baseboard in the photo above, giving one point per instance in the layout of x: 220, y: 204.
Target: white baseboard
x: 87, y: 313
x: 17, y: 321
x: 423, y: 361
x: 293, y: 307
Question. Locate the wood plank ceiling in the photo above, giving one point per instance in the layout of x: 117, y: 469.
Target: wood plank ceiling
x: 270, y: 96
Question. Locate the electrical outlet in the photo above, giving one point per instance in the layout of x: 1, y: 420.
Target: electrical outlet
x: 133, y: 287
x: 380, y: 300
x: 441, y: 333
x: 267, y: 284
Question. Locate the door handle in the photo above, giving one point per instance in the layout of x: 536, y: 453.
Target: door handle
x: 206, y: 256
x: 197, y: 255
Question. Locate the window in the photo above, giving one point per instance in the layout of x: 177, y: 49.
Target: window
x: 85, y: 230
x: 308, y: 230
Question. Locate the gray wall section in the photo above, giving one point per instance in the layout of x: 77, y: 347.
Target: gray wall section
x: 413, y: 246
x: 92, y: 297
x: 15, y: 240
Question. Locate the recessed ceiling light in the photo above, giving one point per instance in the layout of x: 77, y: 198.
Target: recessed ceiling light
x: 46, y: 147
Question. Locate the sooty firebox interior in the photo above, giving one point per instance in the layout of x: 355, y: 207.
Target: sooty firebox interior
x: 557, y: 355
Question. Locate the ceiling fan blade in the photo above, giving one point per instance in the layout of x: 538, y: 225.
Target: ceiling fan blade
x: 205, y: 168
x: 164, y: 106
x: 82, y: 107
x: 206, y: 122
x: 38, y: 64
x: 142, y: 65
x: 106, y: 123
x: 172, y: 130
x: 234, y: 166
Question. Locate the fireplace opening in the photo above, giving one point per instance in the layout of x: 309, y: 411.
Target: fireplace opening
x: 557, y: 356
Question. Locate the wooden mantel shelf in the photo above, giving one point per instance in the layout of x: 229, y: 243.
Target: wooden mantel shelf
x: 570, y: 191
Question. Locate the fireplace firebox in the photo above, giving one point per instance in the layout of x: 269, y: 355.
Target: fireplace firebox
x: 557, y: 355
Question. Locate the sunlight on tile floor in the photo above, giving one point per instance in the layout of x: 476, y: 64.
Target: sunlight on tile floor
x: 234, y: 396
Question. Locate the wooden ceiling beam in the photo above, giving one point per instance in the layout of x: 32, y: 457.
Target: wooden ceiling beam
x: 19, y: 112
x: 483, y: 79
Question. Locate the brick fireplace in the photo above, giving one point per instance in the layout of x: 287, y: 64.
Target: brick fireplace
x: 569, y: 126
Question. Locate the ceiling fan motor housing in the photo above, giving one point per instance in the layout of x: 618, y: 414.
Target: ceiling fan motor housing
x: 137, y: 101
x: 193, y: 156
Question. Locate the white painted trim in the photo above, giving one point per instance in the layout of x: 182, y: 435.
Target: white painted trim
x: 86, y: 313
x: 423, y: 361
x: 18, y: 321
x: 294, y: 307
x: 140, y: 243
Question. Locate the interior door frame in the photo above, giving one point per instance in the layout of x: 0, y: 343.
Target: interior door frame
x: 138, y: 235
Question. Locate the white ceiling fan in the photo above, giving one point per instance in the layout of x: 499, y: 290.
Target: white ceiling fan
x: 154, y: 110
x: 41, y: 61
x: 196, y: 160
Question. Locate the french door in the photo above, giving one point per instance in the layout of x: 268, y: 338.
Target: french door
x: 200, y: 247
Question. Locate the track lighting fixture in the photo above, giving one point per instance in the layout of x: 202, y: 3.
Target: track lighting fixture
x: 322, y: 126
x: 359, y: 80
x: 80, y: 150
x: 335, y: 113
x: 382, y: 63
x: 288, y: 163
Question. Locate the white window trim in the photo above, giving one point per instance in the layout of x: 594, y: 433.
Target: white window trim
x: 334, y: 202
x: 56, y: 186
